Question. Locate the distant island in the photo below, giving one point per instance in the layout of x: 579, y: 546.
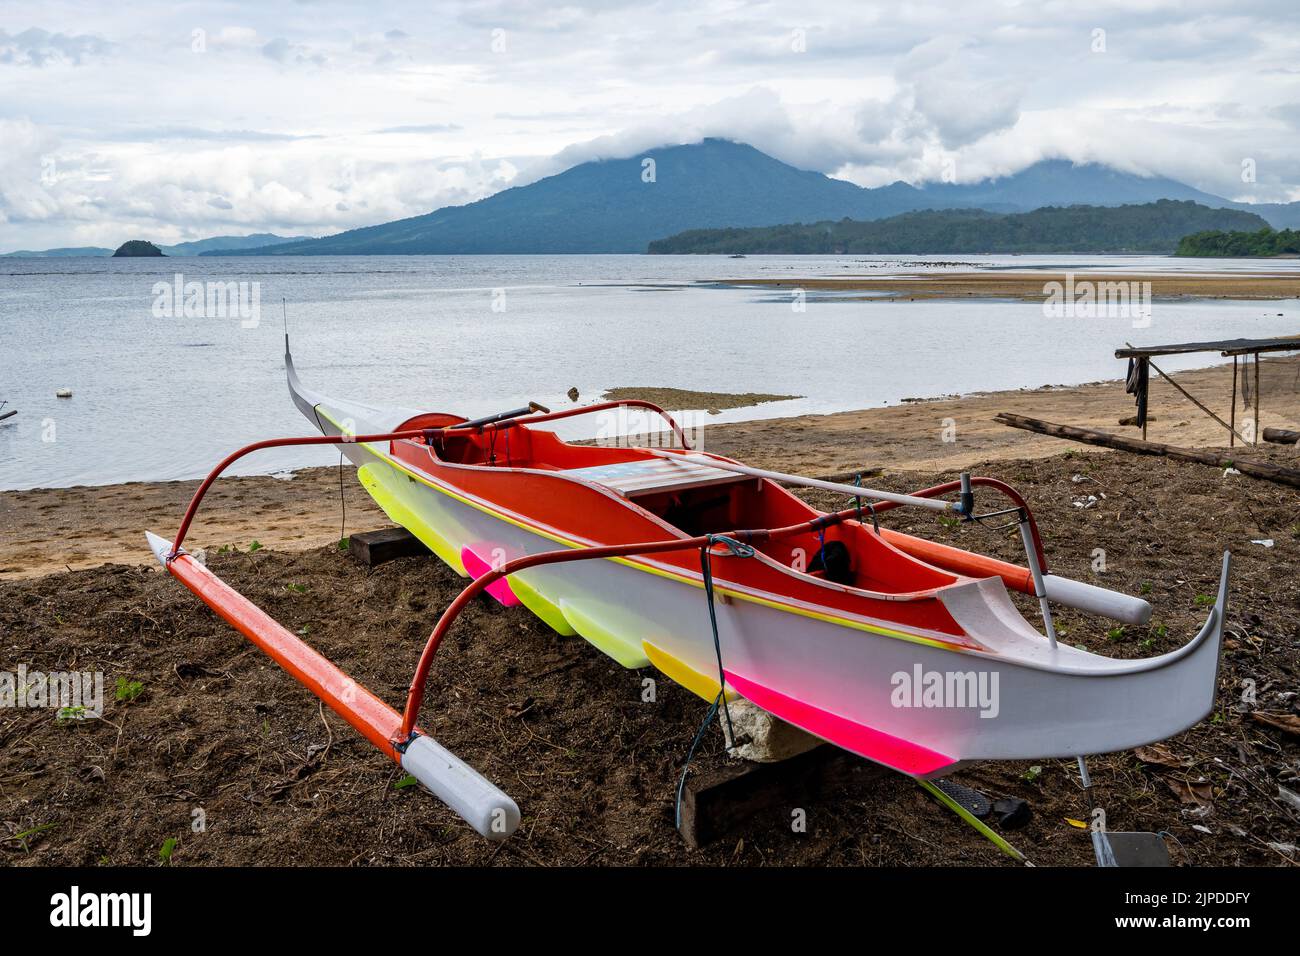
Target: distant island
x: 1263, y: 243
x: 137, y: 248
x: 1153, y: 227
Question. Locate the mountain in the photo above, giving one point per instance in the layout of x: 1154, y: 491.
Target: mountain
x: 1149, y: 227
x: 216, y: 244
x: 219, y: 244
x: 608, y: 206
x: 1058, y: 182
x: 64, y: 253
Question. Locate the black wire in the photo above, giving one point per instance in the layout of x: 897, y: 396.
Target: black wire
x: 706, y: 570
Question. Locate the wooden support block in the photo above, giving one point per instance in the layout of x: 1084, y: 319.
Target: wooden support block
x: 739, y: 795
x: 376, y: 547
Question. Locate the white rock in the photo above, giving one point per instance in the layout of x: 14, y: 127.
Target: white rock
x: 770, y: 738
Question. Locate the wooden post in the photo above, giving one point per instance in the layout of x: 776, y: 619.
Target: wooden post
x: 1256, y: 398
x: 1232, y: 437
x: 1147, y: 406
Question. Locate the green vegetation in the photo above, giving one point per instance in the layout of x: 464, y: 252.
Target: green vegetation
x: 127, y: 690
x: 1262, y: 243
x: 137, y: 248
x: 167, y: 849
x: 1149, y: 227
x: 25, y: 836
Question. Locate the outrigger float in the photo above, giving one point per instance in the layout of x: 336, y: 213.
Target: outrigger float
x: 713, y: 573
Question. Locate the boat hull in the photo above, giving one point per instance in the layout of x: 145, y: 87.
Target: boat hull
x: 922, y: 701
x: 919, y: 708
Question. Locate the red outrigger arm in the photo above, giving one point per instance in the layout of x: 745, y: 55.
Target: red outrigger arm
x: 476, y: 799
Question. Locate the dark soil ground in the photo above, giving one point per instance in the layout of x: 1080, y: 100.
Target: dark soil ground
x: 219, y: 732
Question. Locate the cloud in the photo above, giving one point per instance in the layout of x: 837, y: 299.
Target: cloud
x: 288, y: 54
x: 425, y: 128
x: 315, y: 117
x: 199, y: 134
x: 38, y: 48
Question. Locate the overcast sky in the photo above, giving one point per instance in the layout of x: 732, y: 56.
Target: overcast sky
x: 172, y: 121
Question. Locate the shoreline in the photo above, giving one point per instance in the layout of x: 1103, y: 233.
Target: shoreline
x: 48, y: 530
x: 1032, y: 286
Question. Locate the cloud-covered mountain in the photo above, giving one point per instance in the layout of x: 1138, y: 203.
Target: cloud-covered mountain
x: 621, y: 205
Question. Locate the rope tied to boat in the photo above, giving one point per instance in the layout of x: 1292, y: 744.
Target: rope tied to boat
x: 869, y: 506
x: 735, y: 549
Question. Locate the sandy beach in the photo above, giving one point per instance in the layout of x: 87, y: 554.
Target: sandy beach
x: 47, y: 530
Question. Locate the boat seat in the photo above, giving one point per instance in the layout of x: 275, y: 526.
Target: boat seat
x: 648, y: 476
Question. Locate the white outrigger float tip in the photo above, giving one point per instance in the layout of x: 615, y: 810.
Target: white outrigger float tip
x: 462, y: 788
x: 818, y: 616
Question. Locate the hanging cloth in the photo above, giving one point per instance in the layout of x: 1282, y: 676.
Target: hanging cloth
x: 1135, y: 383
x: 1246, y: 384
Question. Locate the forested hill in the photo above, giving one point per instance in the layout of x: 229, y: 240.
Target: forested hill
x: 1261, y: 243
x: 1149, y: 227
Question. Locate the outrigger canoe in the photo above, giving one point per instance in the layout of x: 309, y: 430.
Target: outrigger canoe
x: 905, y: 651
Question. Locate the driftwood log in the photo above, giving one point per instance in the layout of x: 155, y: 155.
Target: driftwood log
x: 1281, y: 436
x: 1256, y: 469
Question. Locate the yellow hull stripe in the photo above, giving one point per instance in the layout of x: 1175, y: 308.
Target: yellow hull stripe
x: 682, y: 673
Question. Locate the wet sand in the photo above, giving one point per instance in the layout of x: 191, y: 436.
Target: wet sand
x: 48, y: 530
x: 1031, y: 286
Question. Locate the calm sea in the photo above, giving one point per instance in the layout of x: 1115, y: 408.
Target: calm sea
x: 164, y: 398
